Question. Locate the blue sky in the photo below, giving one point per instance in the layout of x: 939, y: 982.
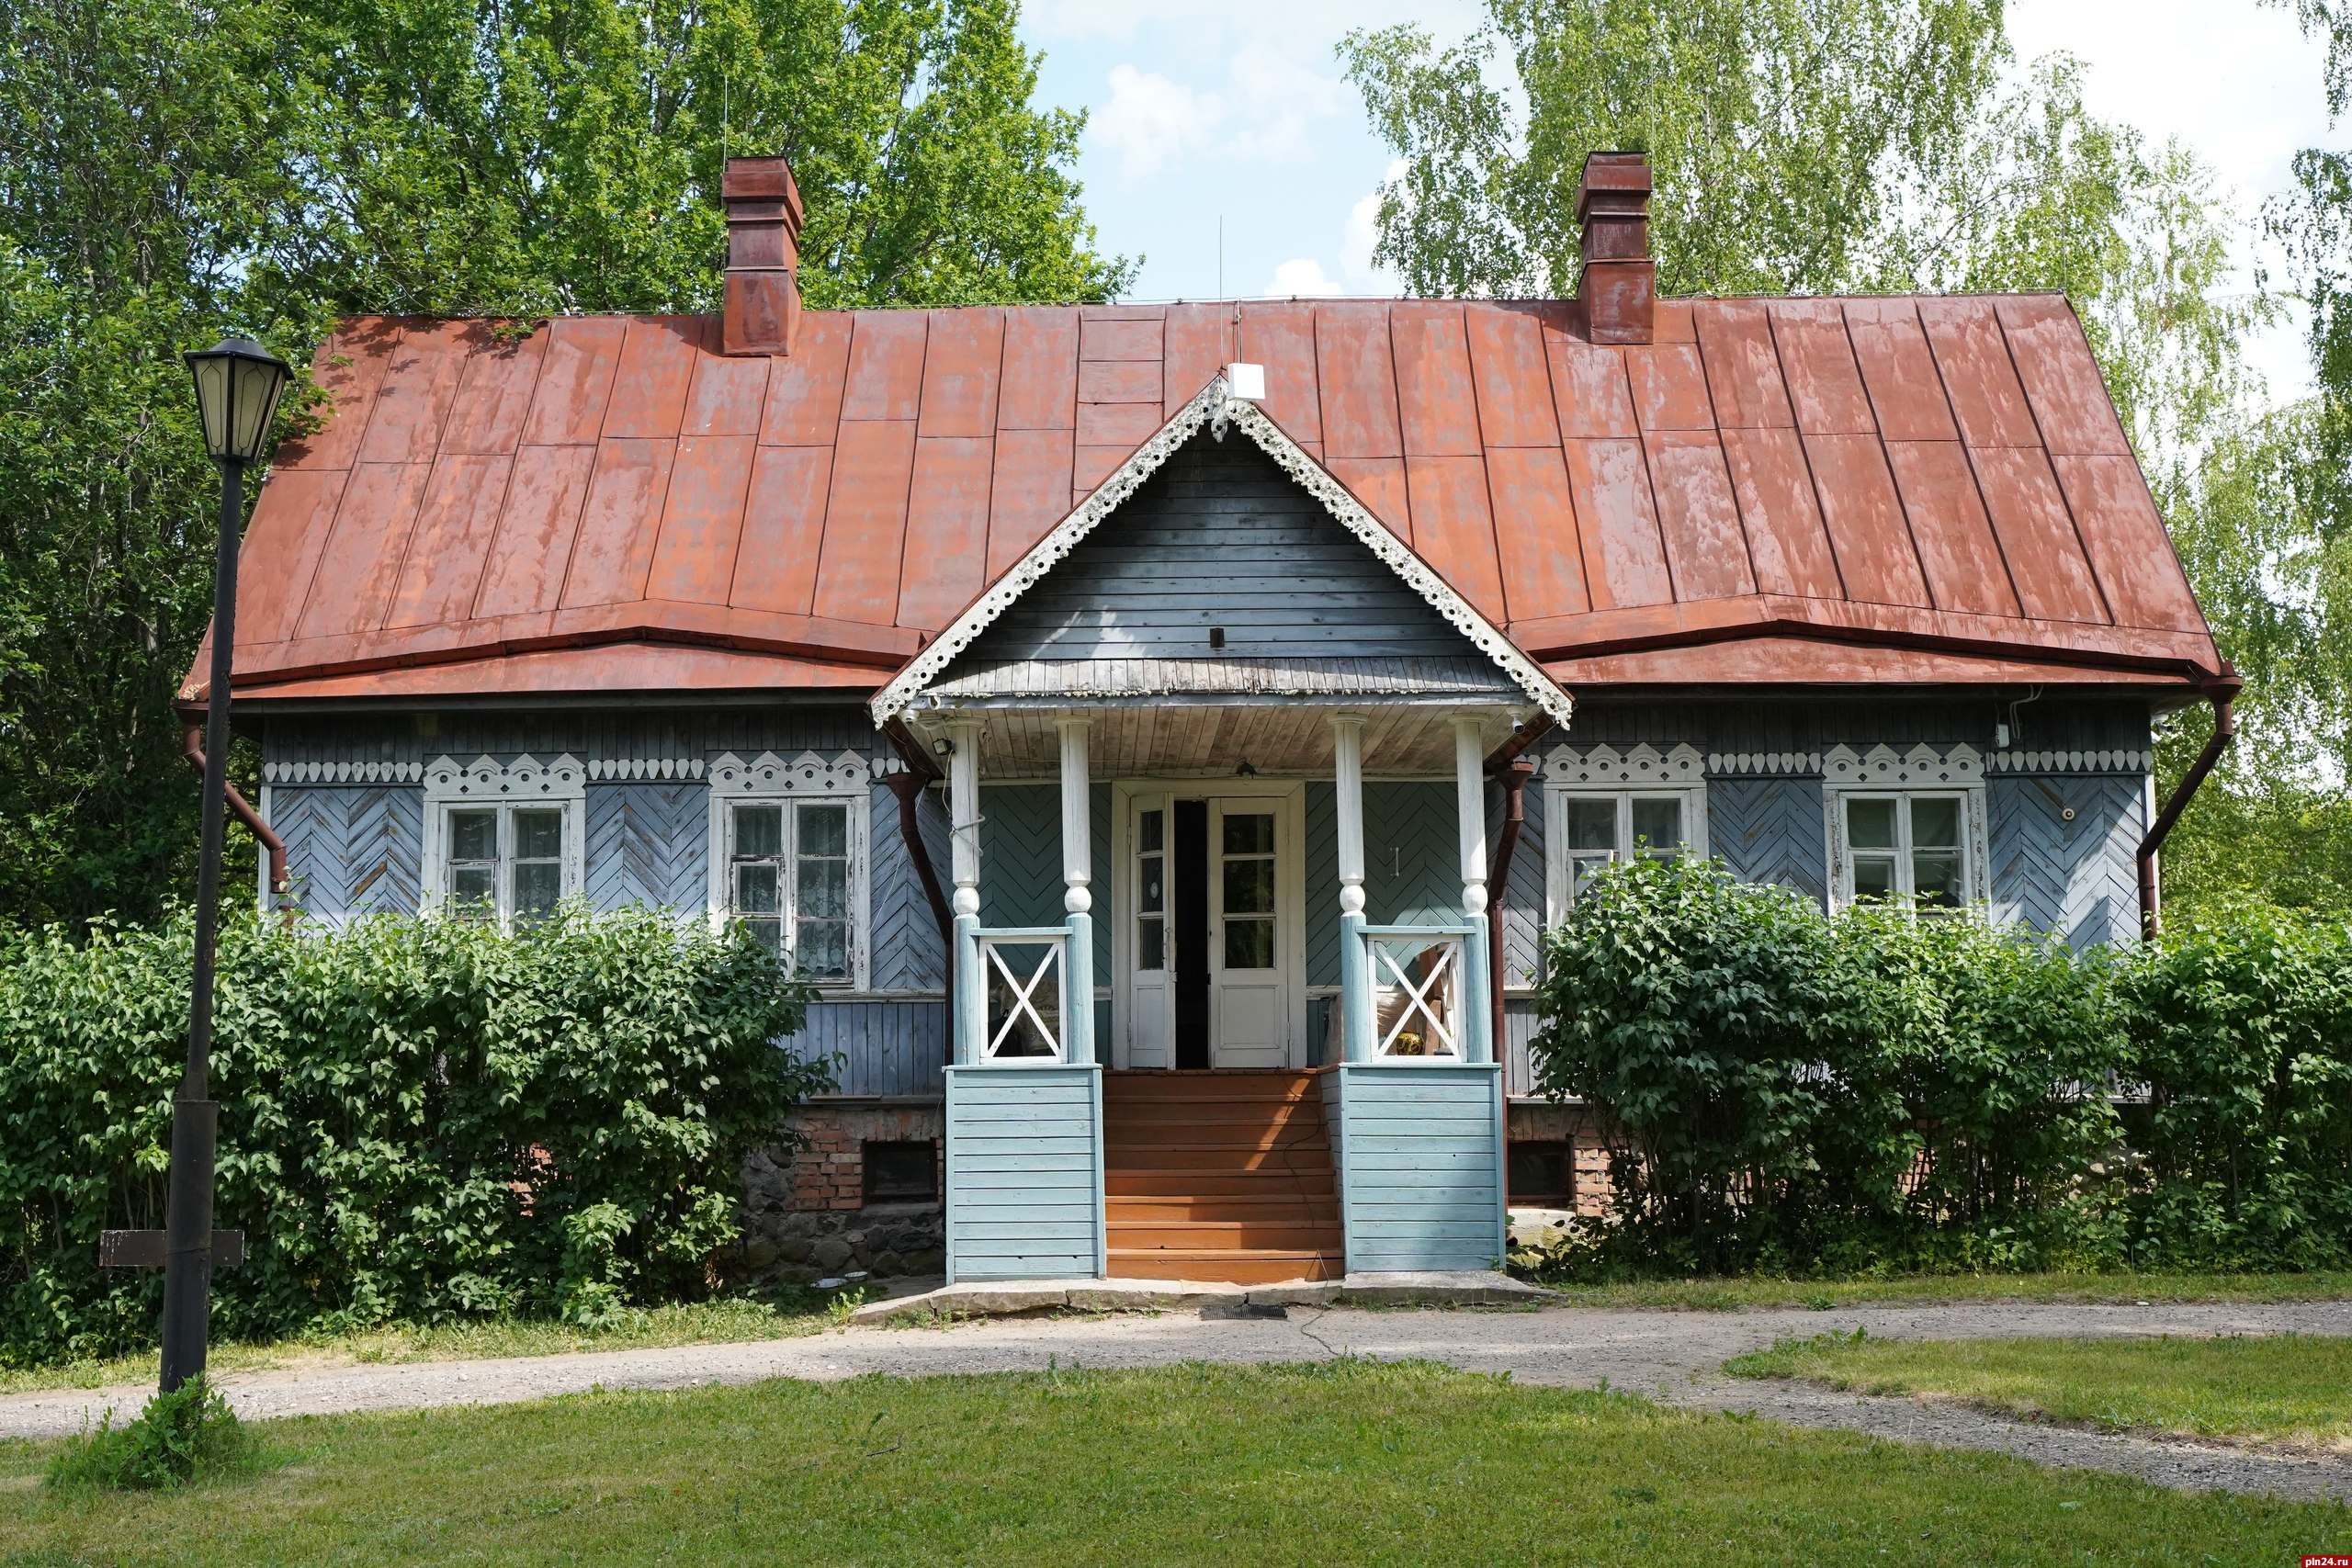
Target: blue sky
x: 1235, y: 109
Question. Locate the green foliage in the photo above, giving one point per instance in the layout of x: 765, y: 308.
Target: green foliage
x: 419, y: 1120
x: 180, y: 1438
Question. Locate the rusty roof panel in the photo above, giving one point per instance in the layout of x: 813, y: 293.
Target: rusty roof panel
x: 1040, y: 389
x: 1676, y: 322
x: 1786, y: 540
x: 1624, y: 557
x: 1817, y: 358
x: 1091, y: 465
x: 2030, y: 517
x: 454, y: 531
x: 2129, y: 548
x: 728, y: 395
x: 959, y: 373
x: 1512, y: 380
x: 1589, y: 388
x: 1536, y: 530
x: 947, y: 512
x: 288, y: 530
x: 1875, y: 557
x: 886, y: 353
x: 412, y: 401
x: 702, y: 521
x: 784, y: 529
x: 1964, y: 566
x: 1120, y: 381
x: 1379, y: 483
x: 614, y: 548
x: 575, y: 380
x: 353, y: 587
x: 1434, y: 391
x: 1117, y: 331
x: 649, y: 387
x: 1359, y: 381
x: 348, y: 368
x: 1973, y: 358
x: 1198, y: 342
x: 1743, y: 366
x: 1029, y: 492
x: 494, y: 395
x: 1704, y: 548
x: 2062, y: 380
x: 1454, y: 528
x: 866, y: 521
x: 1281, y: 337
x: 544, y: 499
x: 804, y: 388
x: 1901, y: 375
x: 1669, y: 388
x: 1120, y: 426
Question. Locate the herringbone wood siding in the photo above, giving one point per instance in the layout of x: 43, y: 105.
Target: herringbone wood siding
x: 649, y: 843
x: 351, y: 850
x: 1770, y: 830
x: 909, y: 953
x: 2080, y: 878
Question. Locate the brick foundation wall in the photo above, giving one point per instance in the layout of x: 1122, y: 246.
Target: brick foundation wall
x: 805, y: 1214
x: 1584, y: 1133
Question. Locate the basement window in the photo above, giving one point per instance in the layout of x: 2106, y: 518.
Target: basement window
x: 901, y: 1171
x: 1541, y: 1173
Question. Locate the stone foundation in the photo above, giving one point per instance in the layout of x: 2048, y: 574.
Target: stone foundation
x: 805, y: 1214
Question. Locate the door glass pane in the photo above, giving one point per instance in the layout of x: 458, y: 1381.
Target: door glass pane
x: 1149, y: 830
x: 1658, y: 825
x: 1870, y: 824
x: 1935, y: 878
x: 1934, y: 824
x: 1251, y: 835
x: 1249, y: 944
x: 1249, y: 887
x: 473, y: 835
x: 1151, y: 890
x: 538, y: 885
x: 1874, y: 877
x: 1151, y: 945
x: 759, y: 832
x: 1592, y: 825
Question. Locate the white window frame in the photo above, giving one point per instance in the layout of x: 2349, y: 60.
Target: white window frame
x: 1559, y: 862
x: 526, y: 783
x: 1921, y: 773
x: 769, y: 780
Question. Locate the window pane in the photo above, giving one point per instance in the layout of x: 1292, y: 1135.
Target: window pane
x: 1249, y: 944
x: 538, y: 885
x: 1584, y: 867
x: 1659, y: 822
x: 823, y: 890
x: 1249, y: 887
x: 1874, y: 877
x: 824, y: 830
x: 1934, y: 877
x: 539, y: 835
x: 1592, y: 824
x: 822, y: 951
x: 1149, y: 830
x: 1934, y: 824
x: 474, y: 890
x: 767, y: 933
x: 1870, y: 824
x: 759, y: 832
x: 755, y: 889
x: 1151, y: 945
x: 1251, y: 835
x: 473, y: 835
x: 1153, y: 894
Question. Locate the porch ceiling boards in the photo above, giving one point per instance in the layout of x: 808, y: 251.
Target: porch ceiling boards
x: 1938, y: 474
x: 1275, y: 737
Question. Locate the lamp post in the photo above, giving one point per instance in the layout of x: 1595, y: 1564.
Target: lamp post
x: 237, y: 387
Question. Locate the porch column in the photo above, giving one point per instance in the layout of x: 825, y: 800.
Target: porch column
x: 1077, y: 895
x: 968, y: 1015
x: 1470, y: 808
x: 1355, y: 978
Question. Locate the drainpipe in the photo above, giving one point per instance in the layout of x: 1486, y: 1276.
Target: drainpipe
x: 909, y: 786
x: 2221, y: 692
x: 1513, y: 776
x: 192, y: 748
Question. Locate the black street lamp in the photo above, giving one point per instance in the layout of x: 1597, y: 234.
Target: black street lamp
x: 237, y: 386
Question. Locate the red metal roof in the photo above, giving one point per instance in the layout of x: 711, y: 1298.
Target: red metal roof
x: 1942, y: 475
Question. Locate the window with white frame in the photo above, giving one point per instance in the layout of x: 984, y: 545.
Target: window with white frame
x: 502, y: 840
x: 1588, y: 829
x: 789, y: 859
x: 1907, y: 846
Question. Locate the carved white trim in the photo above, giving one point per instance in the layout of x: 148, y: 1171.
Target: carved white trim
x: 485, y: 778
x: 849, y: 778
x: 1976, y: 852
x: 1881, y: 767
x: 633, y: 768
x: 1644, y: 764
x: 2072, y: 761
x: 807, y: 773
x: 341, y: 773
x: 1764, y: 762
x: 1213, y: 403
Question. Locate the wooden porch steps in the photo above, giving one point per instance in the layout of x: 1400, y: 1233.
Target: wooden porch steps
x: 1219, y: 1176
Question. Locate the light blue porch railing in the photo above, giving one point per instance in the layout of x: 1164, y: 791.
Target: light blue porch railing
x: 1416, y: 1103
x: 1024, y: 1106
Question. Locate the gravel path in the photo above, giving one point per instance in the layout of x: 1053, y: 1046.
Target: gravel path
x: 1674, y: 1357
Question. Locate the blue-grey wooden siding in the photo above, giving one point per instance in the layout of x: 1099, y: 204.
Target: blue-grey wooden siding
x: 1021, y: 860
x: 1520, y: 1024
x: 584, y: 733
x: 1412, y: 874
x: 649, y: 843
x: 1024, y: 1173
x: 1770, y: 830
x: 1421, y: 1166
x: 351, y: 850
x: 2081, y: 878
x: 1220, y: 537
x: 909, y: 955
x: 894, y: 1046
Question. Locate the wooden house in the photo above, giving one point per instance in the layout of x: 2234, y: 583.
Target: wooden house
x: 1162, y: 732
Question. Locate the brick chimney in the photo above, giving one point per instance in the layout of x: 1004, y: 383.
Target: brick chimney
x: 1619, y: 287
x: 762, y: 306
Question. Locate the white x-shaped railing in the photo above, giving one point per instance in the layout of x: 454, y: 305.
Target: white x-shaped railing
x: 1439, y: 1039
x: 1025, y: 996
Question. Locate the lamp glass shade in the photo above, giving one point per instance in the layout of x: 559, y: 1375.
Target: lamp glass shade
x: 238, y: 383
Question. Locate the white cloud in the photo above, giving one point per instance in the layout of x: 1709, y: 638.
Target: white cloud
x: 1360, y: 236
x: 1302, y: 277
x: 1150, y: 120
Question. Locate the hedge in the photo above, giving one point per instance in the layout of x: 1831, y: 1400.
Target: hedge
x: 1790, y: 1091
x: 420, y: 1119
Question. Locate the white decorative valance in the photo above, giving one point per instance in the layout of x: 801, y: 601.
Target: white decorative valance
x: 1644, y: 764
x: 1882, y: 767
x: 807, y: 773
x: 1767, y: 763
x: 2073, y: 761
x: 341, y: 773
x: 635, y: 768
x: 485, y: 778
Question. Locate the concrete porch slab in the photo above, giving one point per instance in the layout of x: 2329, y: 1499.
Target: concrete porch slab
x: 1012, y: 1297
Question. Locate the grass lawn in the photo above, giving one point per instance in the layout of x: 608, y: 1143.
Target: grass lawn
x: 1346, y: 1463
x: 2288, y: 1389
x: 1928, y: 1290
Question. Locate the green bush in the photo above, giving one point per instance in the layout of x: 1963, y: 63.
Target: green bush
x: 181, y: 1438
x: 420, y: 1119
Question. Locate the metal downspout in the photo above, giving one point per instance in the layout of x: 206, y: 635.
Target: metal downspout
x: 1513, y: 777
x: 2223, y: 692
x: 192, y: 748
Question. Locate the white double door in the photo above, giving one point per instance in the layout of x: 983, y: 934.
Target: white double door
x: 1212, y: 956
